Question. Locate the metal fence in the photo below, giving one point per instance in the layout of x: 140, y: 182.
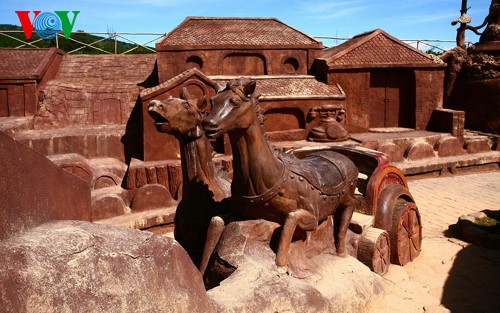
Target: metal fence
x: 114, y: 37
x: 424, y: 44
x: 148, y: 38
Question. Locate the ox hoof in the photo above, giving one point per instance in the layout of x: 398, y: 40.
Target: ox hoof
x: 281, y: 261
x: 342, y: 254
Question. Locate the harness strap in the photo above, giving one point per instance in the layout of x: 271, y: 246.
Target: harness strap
x: 250, y: 201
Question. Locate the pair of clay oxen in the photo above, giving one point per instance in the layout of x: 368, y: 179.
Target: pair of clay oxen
x: 267, y: 183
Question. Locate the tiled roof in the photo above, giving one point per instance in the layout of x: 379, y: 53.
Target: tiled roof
x: 291, y: 87
x: 231, y: 31
x: 174, y: 81
x: 100, y: 70
x: 22, y: 63
x: 373, y: 48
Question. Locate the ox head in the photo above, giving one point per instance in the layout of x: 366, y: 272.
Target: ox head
x: 233, y: 108
x: 178, y: 116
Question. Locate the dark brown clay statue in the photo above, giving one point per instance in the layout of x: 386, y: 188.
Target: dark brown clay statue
x: 329, y: 127
x: 202, y: 189
x: 271, y: 185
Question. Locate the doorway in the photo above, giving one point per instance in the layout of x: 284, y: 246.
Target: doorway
x: 392, y: 98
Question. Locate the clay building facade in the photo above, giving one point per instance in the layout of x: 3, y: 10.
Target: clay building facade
x: 287, y: 102
x: 202, y: 50
x: 236, y: 46
x: 388, y: 83
x: 22, y: 73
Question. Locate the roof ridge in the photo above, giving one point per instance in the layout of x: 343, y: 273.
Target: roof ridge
x: 332, y: 55
x: 405, y: 45
x: 367, y: 37
x: 177, y: 78
x: 229, y: 18
x: 196, y: 31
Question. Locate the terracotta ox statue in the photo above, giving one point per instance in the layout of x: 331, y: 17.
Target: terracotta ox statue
x: 202, y: 188
x: 274, y: 186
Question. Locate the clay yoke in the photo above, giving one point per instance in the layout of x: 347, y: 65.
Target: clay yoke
x: 314, y: 166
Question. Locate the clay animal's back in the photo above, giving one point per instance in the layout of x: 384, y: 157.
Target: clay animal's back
x: 328, y: 171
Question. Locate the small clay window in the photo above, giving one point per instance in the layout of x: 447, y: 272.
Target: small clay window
x: 194, y: 61
x: 291, y: 66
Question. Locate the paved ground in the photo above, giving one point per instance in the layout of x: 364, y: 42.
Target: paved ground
x: 449, y: 275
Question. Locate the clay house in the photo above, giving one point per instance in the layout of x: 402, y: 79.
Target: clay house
x: 388, y: 83
x: 236, y: 46
x: 22, y: 73
x: 204, y: 50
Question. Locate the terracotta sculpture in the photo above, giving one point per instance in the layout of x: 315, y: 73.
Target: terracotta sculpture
x: 329, y: 127
x: 277, y: 187
x: 202, y: 189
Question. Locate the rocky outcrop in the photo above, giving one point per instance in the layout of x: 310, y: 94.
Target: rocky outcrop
x: 72, y: 266
x: 313, y: 281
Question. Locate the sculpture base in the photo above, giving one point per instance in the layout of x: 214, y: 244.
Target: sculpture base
x: 315, y: 280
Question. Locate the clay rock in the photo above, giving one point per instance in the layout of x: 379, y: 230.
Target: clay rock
x: 253, y: 283
x: 74, y: 266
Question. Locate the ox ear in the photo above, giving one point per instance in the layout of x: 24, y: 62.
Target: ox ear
x: 219, y: 87
x: 249, y: 88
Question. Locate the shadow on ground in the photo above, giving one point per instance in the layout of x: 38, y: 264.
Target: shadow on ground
x: 473, y: 283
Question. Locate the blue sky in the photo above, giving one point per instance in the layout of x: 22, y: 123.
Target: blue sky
x: 404, y: 19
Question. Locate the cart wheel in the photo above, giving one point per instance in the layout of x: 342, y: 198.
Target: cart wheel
x: 406, y: 232
x: 374, y: 250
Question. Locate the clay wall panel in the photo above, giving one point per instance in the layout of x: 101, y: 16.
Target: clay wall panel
x: 16, y: 100
x: 355, y: 84
x: 428, y: 93
x: 4, y: 102
x: 234, y: 62
x: 34, y: 190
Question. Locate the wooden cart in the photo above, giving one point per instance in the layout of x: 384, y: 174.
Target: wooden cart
x: 386, y: 227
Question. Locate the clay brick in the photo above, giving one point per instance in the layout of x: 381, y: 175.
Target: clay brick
x: 150, y: 197
x: 151, y: 175
x: 162, y: 175
x: 131, y: 182
x: 140, y: 177
x: 418, y: 151
x: 393, y: 151
x: 175, y: 179
x: 449, y: 146
x: 477, y: 146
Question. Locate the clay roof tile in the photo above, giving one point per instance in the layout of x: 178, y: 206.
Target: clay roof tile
x: 374, y: 48
x: 21, y: 63
x: 209, y: 31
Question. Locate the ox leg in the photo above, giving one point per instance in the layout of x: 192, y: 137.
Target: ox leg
x: 342, y: 218
x: 215, y: 229
x: 301, y: 218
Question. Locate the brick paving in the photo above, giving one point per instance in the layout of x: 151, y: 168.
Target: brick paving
x: 449, y: 275
x: 442, y: 200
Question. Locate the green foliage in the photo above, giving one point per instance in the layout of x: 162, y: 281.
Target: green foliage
x: 67, y: 45
x: 434, y: 52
